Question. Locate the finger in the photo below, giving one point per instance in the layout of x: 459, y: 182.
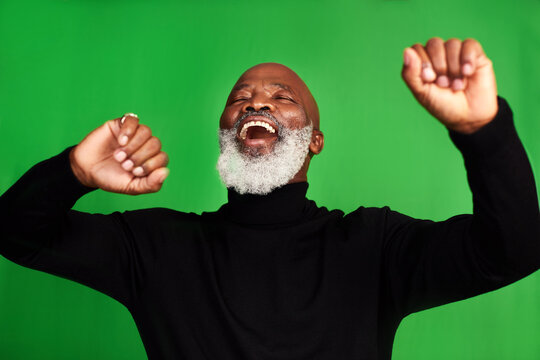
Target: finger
x: 155, y: 179
x: 141, y: 136
x: 128, y: 126
x: 411, y: 71
x: 150, y: 183
x: 453, y: 50
x: 145, y: 152
x: 428, y: 75
x: 437, y: 54
x: 471, y: 50
x: 155, y: 162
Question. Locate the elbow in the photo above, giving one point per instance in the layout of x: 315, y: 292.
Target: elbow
x: 524, y: 252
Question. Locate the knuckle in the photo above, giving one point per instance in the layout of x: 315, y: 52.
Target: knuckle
x: 452, y: 42
x: 155, y: 162
x: 165, y: 158
x: 145, y: 130
x: 155, y: 143
x: 418, y: 47
x: 434, y: 42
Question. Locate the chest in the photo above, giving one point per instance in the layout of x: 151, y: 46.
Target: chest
x: 307, y: 289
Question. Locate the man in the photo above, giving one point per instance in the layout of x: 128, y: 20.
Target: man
x: 271, y: 275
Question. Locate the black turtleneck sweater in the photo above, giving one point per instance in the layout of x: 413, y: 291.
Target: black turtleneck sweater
x: 276, y: 277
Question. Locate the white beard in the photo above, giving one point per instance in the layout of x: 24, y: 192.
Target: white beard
x: 262, y: 174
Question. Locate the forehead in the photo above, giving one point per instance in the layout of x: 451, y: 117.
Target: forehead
x: 270, y: 76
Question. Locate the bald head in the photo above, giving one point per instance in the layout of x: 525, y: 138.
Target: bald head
x: 270, y: 114
x: 274, y: 73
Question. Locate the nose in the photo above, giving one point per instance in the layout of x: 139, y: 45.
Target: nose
x: 258, y: 102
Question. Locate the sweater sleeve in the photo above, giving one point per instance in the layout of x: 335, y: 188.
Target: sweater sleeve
x: 39, y: 230
x: 432, y: 263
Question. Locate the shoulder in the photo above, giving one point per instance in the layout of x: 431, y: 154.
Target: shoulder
x: 158, y: 218
x: 369, y: 215
x: 158, y: 213
x: 384, y: 219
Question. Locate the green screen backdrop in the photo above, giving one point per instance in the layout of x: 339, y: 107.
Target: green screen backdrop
x: 68, y: 66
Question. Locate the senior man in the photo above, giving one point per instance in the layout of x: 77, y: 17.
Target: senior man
x: 271, y: 275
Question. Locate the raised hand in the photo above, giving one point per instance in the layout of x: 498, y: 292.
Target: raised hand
x: 454, y: 81
x: 121, y: 156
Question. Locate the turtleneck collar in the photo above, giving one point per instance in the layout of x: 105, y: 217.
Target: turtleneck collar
x: 285, y: 204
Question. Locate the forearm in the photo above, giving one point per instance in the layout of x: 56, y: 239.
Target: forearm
x: 39, y: 230
x: 506, y: 222
x: 32, y: 208
x: 433, y: 263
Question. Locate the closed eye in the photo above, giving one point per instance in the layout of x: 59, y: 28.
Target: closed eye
x: 280, y: 97
x: 237, y: 100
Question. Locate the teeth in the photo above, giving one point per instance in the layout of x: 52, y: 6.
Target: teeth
x: 243, y: 132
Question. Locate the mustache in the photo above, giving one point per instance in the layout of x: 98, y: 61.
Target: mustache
x: 264, y: 113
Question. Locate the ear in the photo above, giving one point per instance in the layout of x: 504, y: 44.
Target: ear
x: 317, y: 142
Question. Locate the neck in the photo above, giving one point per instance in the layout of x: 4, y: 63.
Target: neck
x: 285, y: 204
x: 301, y: 175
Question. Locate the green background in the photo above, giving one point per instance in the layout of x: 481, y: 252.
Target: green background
x: 67, y: 66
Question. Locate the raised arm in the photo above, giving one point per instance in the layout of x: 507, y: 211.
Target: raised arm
x: 433, y: 263
x: 39, y: 230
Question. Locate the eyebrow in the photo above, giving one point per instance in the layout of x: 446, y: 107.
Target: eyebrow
x: 282, y: 86
x: 241, y: 86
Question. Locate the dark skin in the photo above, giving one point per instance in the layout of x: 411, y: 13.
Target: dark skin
x: 453, y: 79
x: 276, y: 89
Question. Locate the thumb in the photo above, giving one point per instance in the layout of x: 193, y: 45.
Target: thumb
x: 156, y: 178
x: 153, y: 181
x: 412, y: 70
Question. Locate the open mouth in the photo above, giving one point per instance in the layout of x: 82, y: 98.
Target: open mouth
x: 256, y: 130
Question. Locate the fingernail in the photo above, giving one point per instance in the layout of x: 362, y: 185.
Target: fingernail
x: 164, y: 176
x: 428, y: 73
x: 127, y: 165
x: 443, y: 81
x: 138, y: 171
x: 457, y: 84
x: 467, y: 69
x: 120, y: 156
x: 406, y: 59
x: 123, y: 140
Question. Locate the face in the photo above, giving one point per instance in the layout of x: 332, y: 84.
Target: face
x: 268, y: 130
x: 266, y: 99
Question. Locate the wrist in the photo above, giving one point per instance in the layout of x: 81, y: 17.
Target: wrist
x: 492, y: 138
x: 467, y: 128
x: 80, y: 175
x: 470, y: 127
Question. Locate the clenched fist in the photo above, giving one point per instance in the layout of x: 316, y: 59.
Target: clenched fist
x: 454, y: 81
x: 121, y: 156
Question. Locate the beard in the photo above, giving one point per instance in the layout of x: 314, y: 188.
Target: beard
x: 261, y: 174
